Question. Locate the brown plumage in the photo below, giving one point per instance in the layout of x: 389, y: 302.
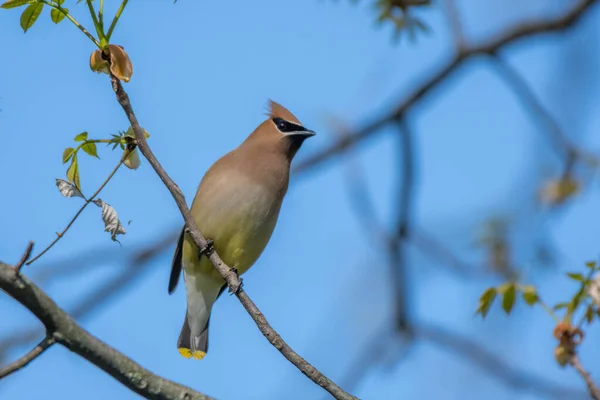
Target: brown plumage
x: 236, y: 206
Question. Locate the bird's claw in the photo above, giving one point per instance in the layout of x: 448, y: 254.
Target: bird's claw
x: 207, y: 249
x: 238, y: 287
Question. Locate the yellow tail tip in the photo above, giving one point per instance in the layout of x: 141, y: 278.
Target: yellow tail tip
x: 187, y: 353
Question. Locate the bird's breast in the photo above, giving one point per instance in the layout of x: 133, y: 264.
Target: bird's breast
x: 240, y: 220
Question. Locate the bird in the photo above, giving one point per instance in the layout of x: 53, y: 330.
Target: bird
x: 236, y: 208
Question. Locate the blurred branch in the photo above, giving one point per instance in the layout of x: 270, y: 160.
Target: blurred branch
x: 29, y: 357
x: 467, y: 349
x: 138, y: 263
x: 228, y: 274
x: 526, y: 95
x: 453, y: 17
x: 397, y: 244
x: 66, y: 332
x: 594, y: 391
x: 491, y: 46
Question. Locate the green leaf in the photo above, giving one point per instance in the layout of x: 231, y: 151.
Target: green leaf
x: 560, y: 306
x: 30, y: 15
x: 73, y: 172
x: 485, y: 301
x: 81, y: 137
x: 530, y: 295
x: 90, y: 148
x: 15, y: 3
x: 67, y: 154
x: 504, y: 287
x: 56, y: 15
x: 576, y: 276
x: 591, y: 264
x: 508, y: 301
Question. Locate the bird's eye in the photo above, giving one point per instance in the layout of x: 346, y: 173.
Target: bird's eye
x: 282, y: 125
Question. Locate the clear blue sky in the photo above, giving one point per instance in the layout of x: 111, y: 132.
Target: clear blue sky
x: 203, y: 74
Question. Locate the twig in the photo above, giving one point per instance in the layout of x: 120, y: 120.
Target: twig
x: 25, y: 256
x: 116, y: 19
x: 69, y: 334
x: 593, y: 389
x: 27, y: 358
x: 87, y: 201
x: 74, y: 21
x: 491, y: 46
x: 228, y: 274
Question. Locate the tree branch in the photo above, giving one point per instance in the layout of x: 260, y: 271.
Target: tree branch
x: 228, y: 274
x: 27, y: 358
x: 491, y: 46
x: 66, y: 332
x: 593, y: 389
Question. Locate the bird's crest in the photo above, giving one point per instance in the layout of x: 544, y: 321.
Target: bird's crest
x: 277, y: 110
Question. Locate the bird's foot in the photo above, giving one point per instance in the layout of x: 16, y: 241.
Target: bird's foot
x: 207, y: 249
x: 240, y: 284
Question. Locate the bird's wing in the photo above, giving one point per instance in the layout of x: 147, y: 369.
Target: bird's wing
x: 177, y: 263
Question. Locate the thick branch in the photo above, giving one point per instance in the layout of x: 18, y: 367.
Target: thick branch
x: 491, y: 46
x: 228, y: 274
x: 66, y: 332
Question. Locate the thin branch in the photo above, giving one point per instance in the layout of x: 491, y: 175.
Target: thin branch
x: 25, y: 256
x: 69, y: 334
x: 229, y: 275
x: 491, y: 46
x: 87, y: 201
x: 116, y: 19
x: 469, y: 350
x: 95, y: 20
x: 593, y: 389
x: 74, y: 21
x: 27, y: 358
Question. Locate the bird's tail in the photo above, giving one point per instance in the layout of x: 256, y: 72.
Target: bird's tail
x: 191, y: 345
x: 193, y: 339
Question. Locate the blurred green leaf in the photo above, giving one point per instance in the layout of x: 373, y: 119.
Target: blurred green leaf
x: 576, y: 276
x: 57, y: 15
x: 508, y: 301
x: 485, y: 301
x: 30, y: 15
x: 67, y: 154
x: 90, y: 148
x: 14, y: 3
x: 591, y: 264
x: 560, y: 306
x: 589, y: 313
x: 81, y: 137
x: 530, y: 295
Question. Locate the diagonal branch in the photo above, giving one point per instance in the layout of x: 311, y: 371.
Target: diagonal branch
x: 228, y: 274
x: 592, y: 388
x: 491, y: 46
x: 27, y: 358
x: 69, y: 334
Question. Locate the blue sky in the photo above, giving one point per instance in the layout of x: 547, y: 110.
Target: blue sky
x: 203, y: 74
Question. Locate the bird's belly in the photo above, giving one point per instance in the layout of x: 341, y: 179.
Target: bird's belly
x: 240, y: 232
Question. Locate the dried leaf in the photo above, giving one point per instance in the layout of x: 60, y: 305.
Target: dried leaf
x: 120, y: 64
x: 97, y: 63
x: 111, y: 220
x: 67, y: 189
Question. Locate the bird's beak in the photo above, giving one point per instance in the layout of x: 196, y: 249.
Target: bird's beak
x: 303, y: 133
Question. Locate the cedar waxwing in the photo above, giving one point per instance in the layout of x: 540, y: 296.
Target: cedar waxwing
x: 236, y: 207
